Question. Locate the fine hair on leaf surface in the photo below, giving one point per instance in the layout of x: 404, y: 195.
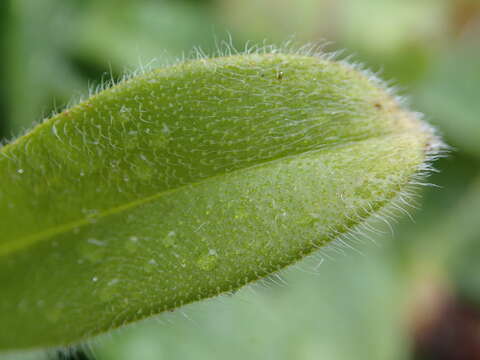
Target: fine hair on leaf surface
x: 192, y: 180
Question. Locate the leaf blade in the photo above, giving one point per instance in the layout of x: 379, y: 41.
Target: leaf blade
x: 248, y: 171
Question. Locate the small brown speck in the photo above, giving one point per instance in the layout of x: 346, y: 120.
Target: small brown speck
x: 378, y: 106
x: 429, y: 146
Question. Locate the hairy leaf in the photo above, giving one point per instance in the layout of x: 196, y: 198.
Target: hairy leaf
x: 191, y: 181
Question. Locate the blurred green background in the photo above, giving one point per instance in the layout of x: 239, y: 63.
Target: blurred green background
x: 414, y: 294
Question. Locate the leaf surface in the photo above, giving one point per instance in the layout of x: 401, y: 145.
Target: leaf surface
x: 190, y: 181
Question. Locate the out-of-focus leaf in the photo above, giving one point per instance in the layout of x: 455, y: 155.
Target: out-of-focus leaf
x: 38, y: 74
x: 450, y: 96
x: 142, y: 31
x: 382, y: 27
x: 464, y: 237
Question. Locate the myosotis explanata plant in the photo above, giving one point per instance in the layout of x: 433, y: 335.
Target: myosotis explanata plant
x: 192, y: 180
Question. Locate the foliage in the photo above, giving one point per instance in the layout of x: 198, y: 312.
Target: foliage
x: 190, y: 181
x: 55, y: 48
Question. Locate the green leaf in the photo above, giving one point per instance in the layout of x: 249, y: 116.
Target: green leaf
x: 191, y: 181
